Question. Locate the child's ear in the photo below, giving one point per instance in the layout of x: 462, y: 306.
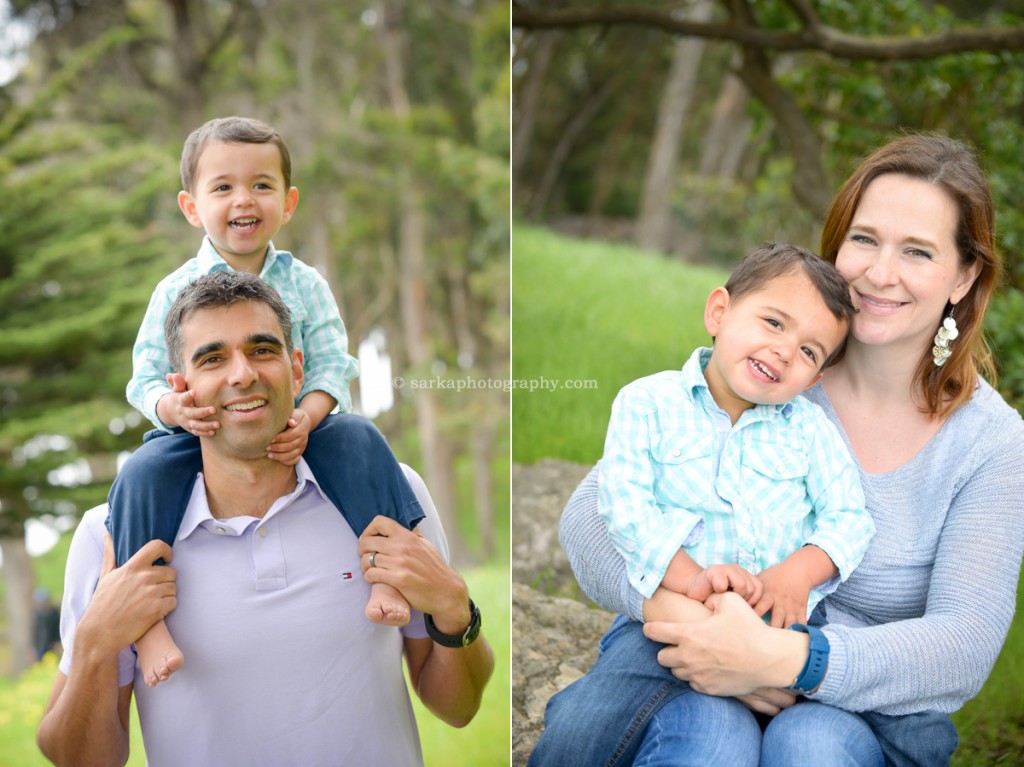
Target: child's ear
x: 298, y: 375
x: 187, y: 203
x: 714, y: 310
x: 291, y: 200
x: 814, y: 380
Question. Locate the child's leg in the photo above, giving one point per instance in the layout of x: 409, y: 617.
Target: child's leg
x: 359, y: 474
x: 147, y: 501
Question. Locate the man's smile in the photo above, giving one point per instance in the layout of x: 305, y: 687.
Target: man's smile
x: 243, y: 406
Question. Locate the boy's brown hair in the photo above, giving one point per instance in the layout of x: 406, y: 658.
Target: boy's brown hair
x: 774, y: 260
x: 243, y: 130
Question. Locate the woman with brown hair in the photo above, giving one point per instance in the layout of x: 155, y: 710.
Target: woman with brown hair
x: 914, y: 632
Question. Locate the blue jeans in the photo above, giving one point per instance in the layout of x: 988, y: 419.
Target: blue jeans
x: 629, y: 710
x: 349, y: 457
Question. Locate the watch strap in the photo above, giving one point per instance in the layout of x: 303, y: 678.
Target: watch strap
x: 456, y: 640
x: 817, y: 660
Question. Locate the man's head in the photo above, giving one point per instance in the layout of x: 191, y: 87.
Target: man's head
x: 229, y: 334
x: 780, y: 320
x: 236, y: 186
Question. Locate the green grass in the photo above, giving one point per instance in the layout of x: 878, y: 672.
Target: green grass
x: 485, y: 742
x: 585, y: 311
x: 613, y: 314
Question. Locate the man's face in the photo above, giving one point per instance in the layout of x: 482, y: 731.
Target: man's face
x: 235, y: 360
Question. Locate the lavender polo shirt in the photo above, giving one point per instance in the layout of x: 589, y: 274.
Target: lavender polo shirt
x: 281, y: 664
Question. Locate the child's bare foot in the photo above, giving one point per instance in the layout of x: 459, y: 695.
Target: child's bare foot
x: 159, y: 656
x: 387, y: 606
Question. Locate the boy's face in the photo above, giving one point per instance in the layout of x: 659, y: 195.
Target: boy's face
x: 235, y: 359
x: 239, y: 199
x: 769, y: 345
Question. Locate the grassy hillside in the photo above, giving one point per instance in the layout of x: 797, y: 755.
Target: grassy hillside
x: 594, y: 315
x: 584, y: 310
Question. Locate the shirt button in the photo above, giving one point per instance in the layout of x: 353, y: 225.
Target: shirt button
x: 676, y: 453
x: 221, y: 531
x: 263, y: 532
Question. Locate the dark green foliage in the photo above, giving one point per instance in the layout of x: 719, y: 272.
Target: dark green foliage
x: 1005, y: 327
x: 80, y: 256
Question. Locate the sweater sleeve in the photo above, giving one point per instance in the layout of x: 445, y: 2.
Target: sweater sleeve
x: 599, y: 569
x: 940, y: 660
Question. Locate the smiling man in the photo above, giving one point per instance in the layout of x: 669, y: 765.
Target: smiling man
x: 283, y: 667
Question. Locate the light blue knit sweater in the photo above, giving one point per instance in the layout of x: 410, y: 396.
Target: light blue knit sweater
x: 919, y: 624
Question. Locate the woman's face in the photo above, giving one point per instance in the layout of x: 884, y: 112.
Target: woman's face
x: 900, y: 258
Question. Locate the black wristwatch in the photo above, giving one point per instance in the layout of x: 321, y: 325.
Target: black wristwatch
x: 465, y: 639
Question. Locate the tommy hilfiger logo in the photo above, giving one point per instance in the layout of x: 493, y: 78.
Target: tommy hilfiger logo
x: 346, y: 576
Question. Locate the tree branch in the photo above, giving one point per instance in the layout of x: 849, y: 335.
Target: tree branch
x: 814, y: 36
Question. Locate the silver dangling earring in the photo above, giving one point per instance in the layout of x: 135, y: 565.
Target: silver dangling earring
x: 947, y: 333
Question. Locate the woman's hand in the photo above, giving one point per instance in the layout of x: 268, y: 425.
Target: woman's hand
x: 732, y: 652
x: 768, y: 700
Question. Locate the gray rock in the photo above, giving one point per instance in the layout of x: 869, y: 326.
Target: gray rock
x: 555, y: 628
x: 539, y: 493
x: 554, y: 643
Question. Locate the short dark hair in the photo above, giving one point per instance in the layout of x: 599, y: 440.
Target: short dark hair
x: 774, y: 260
x: 211, y: 291
x: 245, y: 130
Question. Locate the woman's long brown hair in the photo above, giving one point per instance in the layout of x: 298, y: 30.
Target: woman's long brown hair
x: 954, y: 168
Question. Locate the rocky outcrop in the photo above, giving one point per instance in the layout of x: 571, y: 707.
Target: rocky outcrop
x: 555, y: 629
x: 554, y: 643
x: 539, y: 493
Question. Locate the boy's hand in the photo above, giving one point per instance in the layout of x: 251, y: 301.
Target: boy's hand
x: 785, y: 593
x: 288, y: 446
x: 718, y: 579
x: 183, y: 410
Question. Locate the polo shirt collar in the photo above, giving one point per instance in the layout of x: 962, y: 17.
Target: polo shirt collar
x: 197, y: 512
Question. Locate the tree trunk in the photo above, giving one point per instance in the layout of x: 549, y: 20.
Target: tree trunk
x: 579, y: 122
x: 190, y: 68
x: 809, y: 185
x: 609, y: 171
x: 483, y: 486
x: 525, y: 114
x: 729, y: 132
x: 435, y: 450
x: 654, y: 225
x: 19, y: 581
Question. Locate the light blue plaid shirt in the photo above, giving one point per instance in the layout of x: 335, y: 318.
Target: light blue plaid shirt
x: 317, y: 329
x: 677, y: 474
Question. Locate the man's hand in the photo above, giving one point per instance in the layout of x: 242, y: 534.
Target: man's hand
x: 410, y: 563
x: 178, y: 408
x: 718, y: 579
x: 288, y: 446
x: 449, y: 681
x: 129, y: 599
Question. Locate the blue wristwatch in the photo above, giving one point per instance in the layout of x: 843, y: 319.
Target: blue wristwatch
x: 817, y: 661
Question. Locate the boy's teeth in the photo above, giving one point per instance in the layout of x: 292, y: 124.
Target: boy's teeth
x: 764, y: 370
x: 247, y: 405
